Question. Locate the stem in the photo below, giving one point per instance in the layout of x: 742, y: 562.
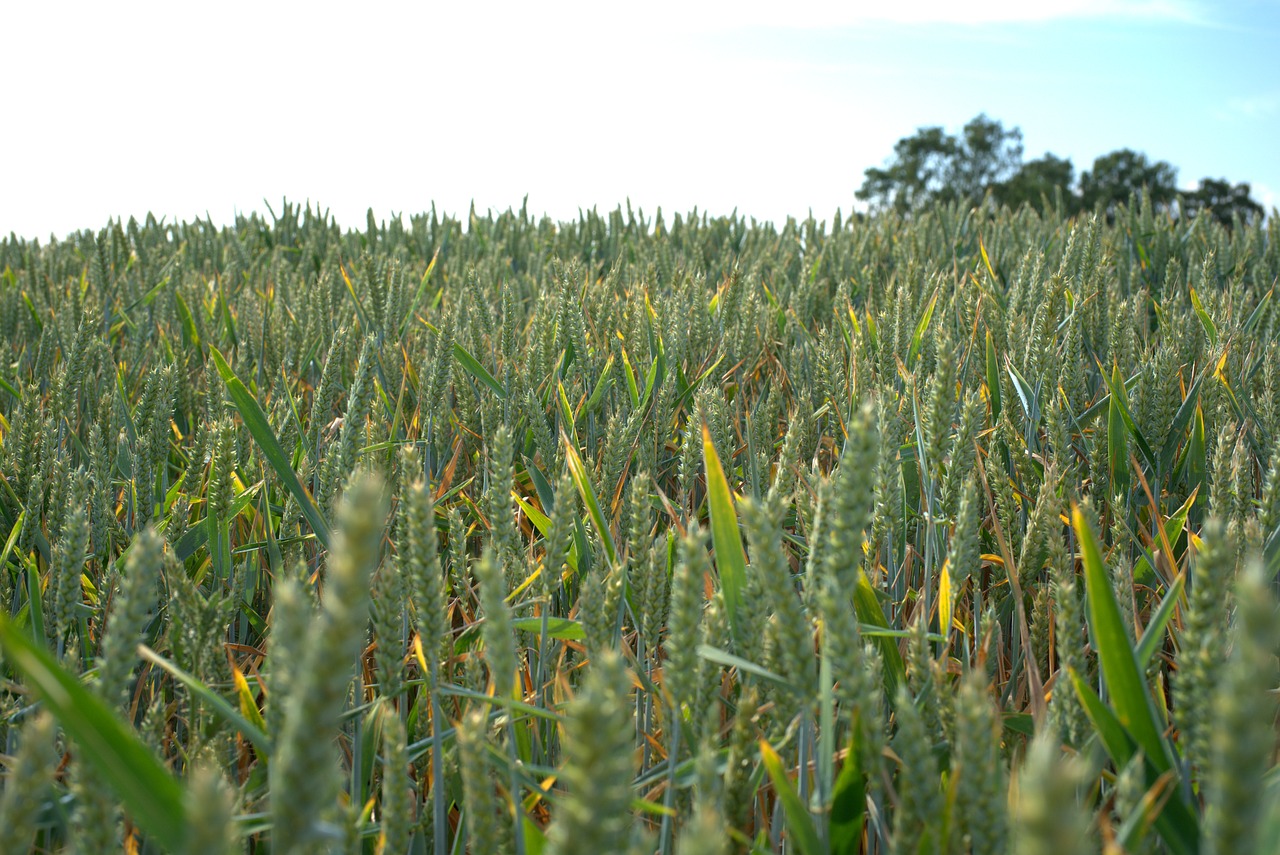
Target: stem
x: 438, y: 814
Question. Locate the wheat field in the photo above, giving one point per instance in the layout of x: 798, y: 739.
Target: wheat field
x: 641, y: 534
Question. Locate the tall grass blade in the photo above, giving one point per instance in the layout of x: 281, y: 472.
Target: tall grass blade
x: 254, y: 731
x: 260, y: 429
x: 731, y: 558
x: 149, y: 793
x: 581, y: 480
x: 478, y: 371
x: 802, y: 832
x: 1175, y: 823
x: 1119, y: 664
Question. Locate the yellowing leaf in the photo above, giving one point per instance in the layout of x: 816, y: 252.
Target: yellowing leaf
x: 944, y: 599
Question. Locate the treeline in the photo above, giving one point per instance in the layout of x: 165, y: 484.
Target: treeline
x: 984, y: 165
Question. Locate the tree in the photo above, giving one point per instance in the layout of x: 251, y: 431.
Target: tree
x: 916, y: 176
x: 1223, y: 201
x: 1125, y: 172
x: 934, y: 166
x: 1038, y: 183
x: 988, y: 155
x: 984, y: 161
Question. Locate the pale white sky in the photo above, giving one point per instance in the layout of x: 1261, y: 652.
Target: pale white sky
x: 186, y: 109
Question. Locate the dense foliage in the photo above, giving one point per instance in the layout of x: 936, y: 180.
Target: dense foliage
x: 983, y: 165
x: 956, y: 534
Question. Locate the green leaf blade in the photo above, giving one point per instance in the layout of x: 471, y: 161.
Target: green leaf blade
x: 1115, y: 652
x: 478, y: 371
x: 849, y: 805
x: 578, y: 471
x: 803, y: 833
x: 731, y: 558
x: 260, y: 429
x: 150, y: 794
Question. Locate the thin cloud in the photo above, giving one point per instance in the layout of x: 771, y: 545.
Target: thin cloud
x: 823, y: 13
x: 1253, y: 107
x: 573, y: 22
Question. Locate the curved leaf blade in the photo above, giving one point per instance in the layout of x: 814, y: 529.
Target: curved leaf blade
x: 252, y: 730
x: 578, y: 471
x: 260, y: 429
x: 1115, y: 651
x: 478, y: 371
x: 867, y: 606
x: 1176, y: 824
x: 731, y: 558
x: 150, y: 794
x: 849, y: 805
x: 799, y: 821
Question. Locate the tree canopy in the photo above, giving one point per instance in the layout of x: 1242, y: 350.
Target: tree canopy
x: 1120, y: 174
x: 1035, y: 181
x: 983, y: 165
x: 1224, y: 201
x: 934, y: 166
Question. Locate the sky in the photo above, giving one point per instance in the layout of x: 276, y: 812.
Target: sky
x: 771, y: 109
